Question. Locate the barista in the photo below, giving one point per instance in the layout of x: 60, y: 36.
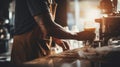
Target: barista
x: 34, y: 24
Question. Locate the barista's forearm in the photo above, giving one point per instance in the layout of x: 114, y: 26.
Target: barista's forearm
x: 53, y: 28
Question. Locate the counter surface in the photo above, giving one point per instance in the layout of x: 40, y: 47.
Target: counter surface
x: 82, y: 57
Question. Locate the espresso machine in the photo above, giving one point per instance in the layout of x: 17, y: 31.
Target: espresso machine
x: 109, y: 22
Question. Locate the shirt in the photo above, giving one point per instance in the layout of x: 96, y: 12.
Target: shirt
x: 25, y: 11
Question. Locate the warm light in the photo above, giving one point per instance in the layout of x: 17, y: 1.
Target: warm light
x: 91, y: 14
x: 105, y: 15
x: 90, y: 25
x: 2, y: 36
x: 1, y: 30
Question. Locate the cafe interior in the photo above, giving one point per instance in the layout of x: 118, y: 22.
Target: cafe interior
x: 99, y: 16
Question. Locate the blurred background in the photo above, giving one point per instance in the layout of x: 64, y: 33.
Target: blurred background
x: 73, y: 15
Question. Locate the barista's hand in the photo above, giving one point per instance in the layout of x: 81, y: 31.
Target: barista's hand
x: 61, y: 43
x: 66, y: 46
x: 85, y: 35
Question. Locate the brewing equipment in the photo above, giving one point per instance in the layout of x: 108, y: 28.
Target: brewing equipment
x: 110, y: 22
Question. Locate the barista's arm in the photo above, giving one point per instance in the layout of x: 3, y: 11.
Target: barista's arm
x: 40, y: 11
x: 57, y: 31
x: 61, y: 43
x: 52, y: 28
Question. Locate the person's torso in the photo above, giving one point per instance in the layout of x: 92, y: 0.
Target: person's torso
x: 24, y: 21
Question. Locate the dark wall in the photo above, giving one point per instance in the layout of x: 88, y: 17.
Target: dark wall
x: 61, y: 13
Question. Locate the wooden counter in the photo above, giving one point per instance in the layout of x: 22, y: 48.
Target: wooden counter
x: 81, y: 57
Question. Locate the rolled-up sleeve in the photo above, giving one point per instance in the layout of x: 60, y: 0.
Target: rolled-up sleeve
x: 37, y: 6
